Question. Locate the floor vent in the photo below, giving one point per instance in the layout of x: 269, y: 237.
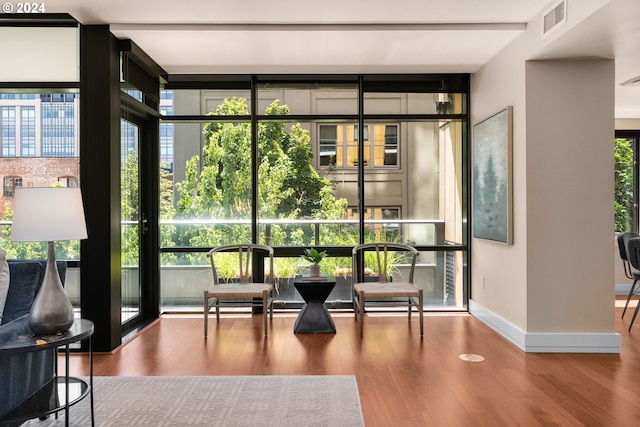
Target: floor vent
x: 554, y: 17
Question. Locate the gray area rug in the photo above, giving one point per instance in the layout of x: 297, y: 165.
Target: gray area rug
x: 225, y: 401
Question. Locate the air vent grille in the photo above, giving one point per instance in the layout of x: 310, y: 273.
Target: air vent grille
x: 632, y: 82
x: 554, y: 17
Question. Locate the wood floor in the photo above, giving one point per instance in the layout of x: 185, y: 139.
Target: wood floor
x: 403, y: 380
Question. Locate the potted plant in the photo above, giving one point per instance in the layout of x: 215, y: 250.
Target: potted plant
x: 314, y: 256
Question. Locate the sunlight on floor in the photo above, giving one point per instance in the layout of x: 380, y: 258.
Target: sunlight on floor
x: 620, y: 303
x: 341, y: 313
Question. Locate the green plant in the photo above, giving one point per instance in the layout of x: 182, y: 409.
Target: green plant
x: 313, y: 256
x: 623, y: 184
x: 218, y: 184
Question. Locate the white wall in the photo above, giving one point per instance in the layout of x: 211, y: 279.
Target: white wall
x: 32, y: 54
x: 570, y: 163
x: 499, y: 271
x: 552, y: 289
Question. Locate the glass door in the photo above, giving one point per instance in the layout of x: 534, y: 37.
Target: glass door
x: 131, y: 220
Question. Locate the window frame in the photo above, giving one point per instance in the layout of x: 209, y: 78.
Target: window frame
x: 14, y: 180
x: 346, y: 142
x: 68, y: 181
x: 8, y: 130
x: 634, y: 137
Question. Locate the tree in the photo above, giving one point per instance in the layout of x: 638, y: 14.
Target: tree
x: 623, y: 184
x: 288, y: 185
x: 130, y: 209
x: 66, y: 249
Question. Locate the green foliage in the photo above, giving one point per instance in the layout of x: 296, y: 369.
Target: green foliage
x: 219, y: 185
x: 167, y: 211
x: 130, y: 209
x: 623, y: 184
x: 65, y: 250
x: 313, y: 256
x: 286, y: 267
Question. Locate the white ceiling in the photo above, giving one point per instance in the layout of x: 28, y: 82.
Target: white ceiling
x: 358, y: 36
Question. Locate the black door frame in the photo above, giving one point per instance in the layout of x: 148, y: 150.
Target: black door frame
x: 147, y: 121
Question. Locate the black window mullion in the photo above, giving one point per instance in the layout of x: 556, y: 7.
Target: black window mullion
x: 636, y: 189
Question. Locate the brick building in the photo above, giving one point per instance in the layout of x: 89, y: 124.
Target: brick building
x: 38, y: 142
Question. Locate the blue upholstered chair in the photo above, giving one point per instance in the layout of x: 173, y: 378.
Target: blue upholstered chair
x: 22, y: 374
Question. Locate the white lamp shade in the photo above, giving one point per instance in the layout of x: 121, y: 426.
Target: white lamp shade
x: 48, y: 214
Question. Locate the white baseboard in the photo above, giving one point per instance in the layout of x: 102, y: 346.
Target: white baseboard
x: 623, y: 288
x: 547, y: 343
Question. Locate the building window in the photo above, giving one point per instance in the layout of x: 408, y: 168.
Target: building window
x: 18, y: 96
x: 68, y: 181
x: 338, y: 145
x: 58, y: 127
x: 28, y: 131
x: 167, y: 130
x: 128, y: 138
x: 38, y: 125
x: 356, y: 133
x: 10, y: 185
x: 391, y: 145
x: 8, y: 126
x: 166, y: 145
x: 328, y: 147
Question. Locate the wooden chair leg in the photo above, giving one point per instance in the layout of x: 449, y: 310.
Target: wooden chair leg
x: 265, y: 309
x: 206, y: 313
x: 409, y: 305
x: 361, y: 312
x: 421, y: 310
x: 354, y: 299
x: 271, y: 307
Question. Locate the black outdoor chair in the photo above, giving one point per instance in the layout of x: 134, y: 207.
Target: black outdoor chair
x: 629, y: 271
x: 633, y: 251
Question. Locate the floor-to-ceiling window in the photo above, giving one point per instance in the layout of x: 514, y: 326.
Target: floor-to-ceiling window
x: 39, y: 127
x: 626, y: 144
x: 306, y: 161
x: 40, y: 148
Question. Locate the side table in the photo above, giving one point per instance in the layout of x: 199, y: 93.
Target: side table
x: 57, y: 394
x: 314, y: 317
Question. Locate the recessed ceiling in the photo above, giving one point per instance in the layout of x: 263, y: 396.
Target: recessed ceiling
x: 357, y: 36
x: 333, y: 36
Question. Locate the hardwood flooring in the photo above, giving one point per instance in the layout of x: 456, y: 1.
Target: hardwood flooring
x: 403, y: 380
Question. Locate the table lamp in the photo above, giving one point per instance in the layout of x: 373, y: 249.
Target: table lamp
x: 48, y: 215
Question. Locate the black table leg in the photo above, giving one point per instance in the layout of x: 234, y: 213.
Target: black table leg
x: 314, y: 319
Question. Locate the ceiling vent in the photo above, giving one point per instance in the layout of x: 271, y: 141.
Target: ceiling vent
x: 554, y: 17
x: 631, y: 82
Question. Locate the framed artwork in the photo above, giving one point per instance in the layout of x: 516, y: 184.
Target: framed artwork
x: 492, y: 177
